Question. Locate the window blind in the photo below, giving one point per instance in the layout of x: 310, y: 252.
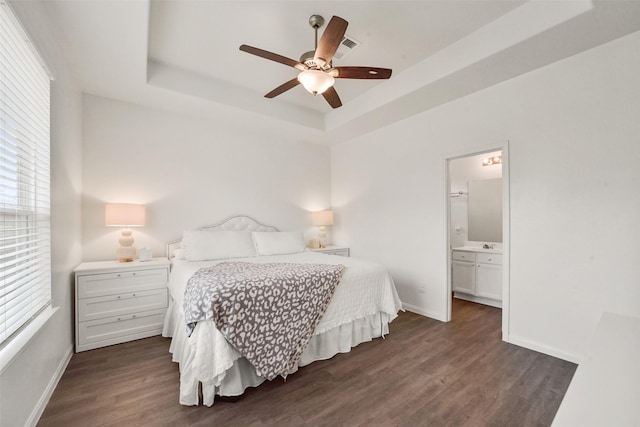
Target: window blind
x: 25, y: 254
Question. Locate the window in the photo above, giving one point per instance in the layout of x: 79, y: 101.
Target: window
x: 25, y: 254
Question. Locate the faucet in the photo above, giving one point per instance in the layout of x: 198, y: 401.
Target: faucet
x: 487, y: 246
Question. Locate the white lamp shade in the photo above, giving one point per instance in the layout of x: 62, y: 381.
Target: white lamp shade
x: 322, y: 218
x: 124, y: 215
x: 316, y: 81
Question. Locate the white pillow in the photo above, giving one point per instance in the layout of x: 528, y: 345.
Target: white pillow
x: 210, y: 245
x: 178, y: 253
x: 278, y: 242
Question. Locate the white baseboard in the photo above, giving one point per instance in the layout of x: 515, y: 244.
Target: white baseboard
x: 421, y: 311
x: 543, y: 348
x: 46, y: 395
x: 512, y: 339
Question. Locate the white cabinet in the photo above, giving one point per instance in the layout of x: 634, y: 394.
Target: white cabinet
x: 489, y: 276
x: 118, y: 302
x: 464, y: 277
x: 477, y: 276
x: 334, y: 250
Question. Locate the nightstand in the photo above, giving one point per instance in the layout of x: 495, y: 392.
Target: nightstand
x: 333, y: 250
x: 118, y: 302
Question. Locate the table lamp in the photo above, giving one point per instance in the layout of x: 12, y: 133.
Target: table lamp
x: 125, y: 215
x: 322, y: 219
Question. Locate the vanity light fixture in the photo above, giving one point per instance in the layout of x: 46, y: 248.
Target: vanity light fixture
x: 489, y: 161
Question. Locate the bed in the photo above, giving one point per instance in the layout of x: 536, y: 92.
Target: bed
x: 363, y: 304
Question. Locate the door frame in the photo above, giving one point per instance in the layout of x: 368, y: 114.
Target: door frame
x: 506, y: 226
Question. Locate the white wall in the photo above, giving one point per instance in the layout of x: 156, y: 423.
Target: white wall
x: 190, y: 172
x: 27, y: 383
x: 574, y: 147
x: 461, y: 171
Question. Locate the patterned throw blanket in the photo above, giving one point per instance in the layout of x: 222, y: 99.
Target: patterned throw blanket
x: 268, y: 312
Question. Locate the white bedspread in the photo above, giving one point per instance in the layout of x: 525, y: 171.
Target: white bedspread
x: 366, y: 289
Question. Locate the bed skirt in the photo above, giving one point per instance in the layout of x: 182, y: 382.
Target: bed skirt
x: 196, y: 354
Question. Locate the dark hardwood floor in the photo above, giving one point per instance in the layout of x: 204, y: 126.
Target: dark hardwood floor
x: 424, y: 373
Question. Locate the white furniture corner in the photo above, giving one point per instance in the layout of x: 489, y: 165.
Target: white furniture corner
x: 333, y: 250
x: 605, y: 390
x: 119, y: 302
x: 476, y: 275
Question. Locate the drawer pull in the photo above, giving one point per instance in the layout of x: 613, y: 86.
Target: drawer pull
x: 120, y: 274
x: 133, y: 316
x: 490, y: 259
x: 132, y: 296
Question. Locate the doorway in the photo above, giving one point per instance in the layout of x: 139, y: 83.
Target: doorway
x: 477, y: 221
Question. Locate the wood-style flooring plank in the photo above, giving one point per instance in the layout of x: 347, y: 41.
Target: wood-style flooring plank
x: 424, y: 373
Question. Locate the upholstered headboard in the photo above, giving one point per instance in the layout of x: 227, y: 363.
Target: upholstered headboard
x: 233, y: 223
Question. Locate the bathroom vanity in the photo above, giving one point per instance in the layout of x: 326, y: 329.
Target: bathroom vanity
x: 477, y: 274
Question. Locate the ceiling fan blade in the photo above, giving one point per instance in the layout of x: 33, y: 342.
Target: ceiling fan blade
x: 360, y: 73
x: 273, y: 57
x: 332, y: 97
x: 283, y: 88
x: 330, y: 40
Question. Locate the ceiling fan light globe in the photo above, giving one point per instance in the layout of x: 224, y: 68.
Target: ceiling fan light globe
x: 316, y: 81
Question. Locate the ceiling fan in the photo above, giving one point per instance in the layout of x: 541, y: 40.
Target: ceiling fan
x: 317, y: 74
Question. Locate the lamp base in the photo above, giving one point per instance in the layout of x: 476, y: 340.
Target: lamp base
x: 322, y: 237
x: 126, y: 252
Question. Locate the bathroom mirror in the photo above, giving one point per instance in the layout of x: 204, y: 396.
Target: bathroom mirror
x: 485, y: 210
